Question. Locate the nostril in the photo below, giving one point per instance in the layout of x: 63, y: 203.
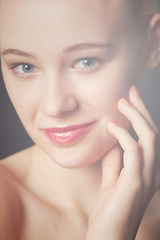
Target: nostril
x: 72, y: 104
x: 57, y: 106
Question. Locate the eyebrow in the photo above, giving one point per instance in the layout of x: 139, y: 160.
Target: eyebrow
x: 85, y: 45
x: 17, y: 52
x: 72, y: 48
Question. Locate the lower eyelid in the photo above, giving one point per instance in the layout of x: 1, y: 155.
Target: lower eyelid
x: 26, y: 75
x: 87, y: 70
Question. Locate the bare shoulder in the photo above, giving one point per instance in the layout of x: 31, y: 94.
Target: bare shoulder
x: 18, y: 164
x: 10, y: 211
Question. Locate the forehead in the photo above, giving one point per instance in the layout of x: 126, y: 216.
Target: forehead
x: 26, y: 22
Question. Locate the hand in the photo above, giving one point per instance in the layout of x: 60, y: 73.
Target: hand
x: 126, y: 191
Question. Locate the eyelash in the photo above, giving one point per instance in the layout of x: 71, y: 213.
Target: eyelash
x: 16, y: 65
x: 96, y: 63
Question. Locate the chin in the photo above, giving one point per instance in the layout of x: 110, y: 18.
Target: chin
x: 80, y: 155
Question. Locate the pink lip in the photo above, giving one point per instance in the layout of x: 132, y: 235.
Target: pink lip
x: 68, y: 134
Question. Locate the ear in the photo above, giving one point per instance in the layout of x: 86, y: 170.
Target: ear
x: 153, y: 47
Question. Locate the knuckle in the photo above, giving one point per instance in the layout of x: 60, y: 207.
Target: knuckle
x: 152, y: 139
x: 153, y: 136
x: 146, y: 185
x: 136, y: 148
x: 139, y: 185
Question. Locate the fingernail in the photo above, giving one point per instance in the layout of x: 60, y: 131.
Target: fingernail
x: 124, y: 101
x: 135, y: 91
x: 112, y: 123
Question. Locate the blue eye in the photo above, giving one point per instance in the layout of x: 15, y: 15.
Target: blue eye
x: 86, y: 63
x: 23, y: 68
x: 26, y: 68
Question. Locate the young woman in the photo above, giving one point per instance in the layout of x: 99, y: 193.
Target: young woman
x: 70, y: 69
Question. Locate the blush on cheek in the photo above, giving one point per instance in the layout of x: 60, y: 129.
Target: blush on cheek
x: 112, y: 113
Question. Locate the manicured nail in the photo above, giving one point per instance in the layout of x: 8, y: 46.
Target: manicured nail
x: 135, y: 91
x: 112, y: 123
x: 125, y: 101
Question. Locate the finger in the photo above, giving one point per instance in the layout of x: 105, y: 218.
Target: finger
x: 147, y: 136
x: 132, y: 154
x: 111, y: 167
x: 143, y: 130
x: 139, y: 105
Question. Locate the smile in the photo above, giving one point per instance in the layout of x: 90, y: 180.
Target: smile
x: 68, y: 134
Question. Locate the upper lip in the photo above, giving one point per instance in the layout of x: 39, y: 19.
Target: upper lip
x: 68, y: 128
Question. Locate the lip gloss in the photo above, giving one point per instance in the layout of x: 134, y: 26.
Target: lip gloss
x: 69, y: 134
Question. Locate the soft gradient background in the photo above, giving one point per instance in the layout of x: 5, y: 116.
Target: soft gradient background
x: 13, y: 137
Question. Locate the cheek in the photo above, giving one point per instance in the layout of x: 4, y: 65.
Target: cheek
x: 23, y: 100
x: 103, y: 95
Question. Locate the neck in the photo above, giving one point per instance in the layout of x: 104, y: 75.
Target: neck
x: 70, y: 188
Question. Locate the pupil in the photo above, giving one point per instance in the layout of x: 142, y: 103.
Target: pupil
x: 88, y: 62
x: 27, y: 68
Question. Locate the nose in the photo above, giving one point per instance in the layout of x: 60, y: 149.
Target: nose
x: 58, y: 98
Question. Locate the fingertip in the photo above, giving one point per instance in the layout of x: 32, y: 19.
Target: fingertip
x: 134, y: 91
x: 112, y: 128
x: 124, y: 102
x: 112, y: 124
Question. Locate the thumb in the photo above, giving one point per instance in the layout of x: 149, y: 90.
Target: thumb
x: 111, y: 167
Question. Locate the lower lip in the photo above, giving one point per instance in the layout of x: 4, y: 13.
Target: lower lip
x: 69, y: 136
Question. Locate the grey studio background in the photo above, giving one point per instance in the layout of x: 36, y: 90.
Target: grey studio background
x: 13, y: 137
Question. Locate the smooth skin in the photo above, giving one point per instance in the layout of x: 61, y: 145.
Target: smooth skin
x: 137, y: 182
x: 78, y: 191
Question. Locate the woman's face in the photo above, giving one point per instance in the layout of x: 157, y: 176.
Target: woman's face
x: 65, y: 66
